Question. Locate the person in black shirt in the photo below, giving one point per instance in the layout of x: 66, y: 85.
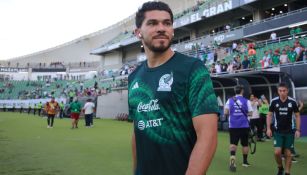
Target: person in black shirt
x: 283, y: 107
x: 246, y: 63
x: 224, y: 66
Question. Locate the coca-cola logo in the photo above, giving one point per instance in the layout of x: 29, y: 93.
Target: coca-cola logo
x: 147, y: 107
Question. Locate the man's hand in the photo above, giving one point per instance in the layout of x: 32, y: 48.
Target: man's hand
x: 269, y: 132
x: 297, y: 133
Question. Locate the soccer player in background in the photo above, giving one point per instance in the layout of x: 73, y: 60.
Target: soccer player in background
x: 283, y: 107
x: 171, y: 102
x: 51, y: 109
x: 75, y: 109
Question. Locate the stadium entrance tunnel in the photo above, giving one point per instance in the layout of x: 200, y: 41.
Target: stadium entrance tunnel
x: 254, y: 82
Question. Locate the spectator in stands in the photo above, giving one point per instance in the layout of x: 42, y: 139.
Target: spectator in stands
x: 227, y: 28
x: 218, y: 67
x: 292, y: 55
x: 71, y: 95
x: 237, y: 65
x: 298, y: 49
x: 270, y: 53
x: 251, y: 51
x: 292, y: 32
x: 212, y: 68
x: 253, y: 64
x: 298, y: 30
x: 234, y: 47
x: 287, y: 49
x: 230, y: 67
x: 224, y: 66
x: 276, y: 58
x: 81, y: 85
x: 234, y: 63
x: 273, y: 37
x: 96, y: 84
x: 283, y: 59
x: 266, y: 60
x: 246, y: 63
x: 215, y: 56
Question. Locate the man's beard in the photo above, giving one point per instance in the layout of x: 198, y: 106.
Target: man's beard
x: 159, y: 49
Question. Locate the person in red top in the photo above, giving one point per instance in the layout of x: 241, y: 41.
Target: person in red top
x: 51, y: 109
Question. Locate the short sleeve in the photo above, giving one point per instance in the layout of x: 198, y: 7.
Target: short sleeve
x: 201, y: 96
x: 295, y: 107
x: 271, y: 108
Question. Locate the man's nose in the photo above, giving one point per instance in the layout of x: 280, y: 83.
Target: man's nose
x: 161, y: 27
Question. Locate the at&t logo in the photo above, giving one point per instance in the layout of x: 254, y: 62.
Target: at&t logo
x: 149, y: 124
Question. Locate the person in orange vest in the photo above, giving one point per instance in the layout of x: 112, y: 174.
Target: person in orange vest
x: 51, y: 109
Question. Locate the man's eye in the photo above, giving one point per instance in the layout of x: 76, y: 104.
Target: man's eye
x: 151, y: 23
x: 168, y: 23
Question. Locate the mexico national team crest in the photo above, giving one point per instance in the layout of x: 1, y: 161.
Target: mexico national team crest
x: 166, y: 82
x: 289, y: 105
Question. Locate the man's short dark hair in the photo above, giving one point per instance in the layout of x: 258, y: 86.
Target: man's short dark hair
x: 149, y: 6
x: 283, y: 84
x: 238, y: 89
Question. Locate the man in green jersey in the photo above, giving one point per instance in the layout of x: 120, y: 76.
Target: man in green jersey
x: 171, y: 102
x: 292, y: 55
x: 275, y: 58
x: 75, y: 109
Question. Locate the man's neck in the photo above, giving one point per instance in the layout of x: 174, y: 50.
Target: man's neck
x: 283, y: 99
x: 155, y: 59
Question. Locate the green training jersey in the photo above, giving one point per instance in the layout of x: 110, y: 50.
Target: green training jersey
x: 292, y: 56
x: 275, y: 59
x: 75, y: 107
x: 162, y: 102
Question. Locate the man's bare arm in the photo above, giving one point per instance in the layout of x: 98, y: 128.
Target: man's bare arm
x: 268, y: 124
x: 205, y: 147
x: 133, y: 144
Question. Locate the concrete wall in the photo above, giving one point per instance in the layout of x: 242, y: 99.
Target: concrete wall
x: 112, y: 104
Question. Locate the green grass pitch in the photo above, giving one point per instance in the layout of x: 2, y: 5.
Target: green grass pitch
x: 27, y: 147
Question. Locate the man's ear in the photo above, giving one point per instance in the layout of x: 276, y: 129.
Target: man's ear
x: 138, y: 34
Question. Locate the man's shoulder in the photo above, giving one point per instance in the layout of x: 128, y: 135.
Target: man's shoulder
x: 186, y: 59
x: 275, y: 100
x: 137, y: 69
x: 292, y: 100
